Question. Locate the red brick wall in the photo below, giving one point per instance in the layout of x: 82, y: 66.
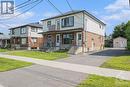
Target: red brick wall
x: 98, y: 41
x: 38, y: 43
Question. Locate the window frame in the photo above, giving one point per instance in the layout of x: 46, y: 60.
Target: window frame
x: 24, y: 42
x: 23, y: 30
x: 66, y: 22
x: 34, y: 29
x: 69, y: 37
x: 34, y: 40
x: 48, y: 23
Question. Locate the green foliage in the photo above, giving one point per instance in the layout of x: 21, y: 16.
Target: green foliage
x: 100, y: 81
x: 127, y: 33
x: 10, y: 64
x: 4, y: 50
x: 119, y: 62
x: 40, y: 55
x: 119, y: 30
x: 128, y: 45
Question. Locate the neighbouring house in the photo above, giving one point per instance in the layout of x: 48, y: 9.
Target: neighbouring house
x: 4, y: 41
x: 77, y: 31
x: 26, y: 36
x: 120, y: 42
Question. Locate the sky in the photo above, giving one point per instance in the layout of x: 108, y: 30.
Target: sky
x: 111, y: 12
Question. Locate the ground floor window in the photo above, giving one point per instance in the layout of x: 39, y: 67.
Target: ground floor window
x: 34, y: 40
x: 23, y: 40
x: 68, y: 38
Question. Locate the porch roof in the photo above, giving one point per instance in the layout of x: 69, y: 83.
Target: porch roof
x: 62, y: 31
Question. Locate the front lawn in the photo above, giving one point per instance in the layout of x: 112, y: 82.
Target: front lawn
x: 119, y: 62
x: 40, y: 55
x: 9, y: 64
x: 100, y: 81
x: 3, y: 50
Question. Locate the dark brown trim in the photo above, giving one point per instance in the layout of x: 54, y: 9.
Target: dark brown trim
x: 63, y: 31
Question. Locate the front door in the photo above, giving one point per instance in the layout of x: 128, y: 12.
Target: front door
x: 79, y: 39
x: 57, y: 40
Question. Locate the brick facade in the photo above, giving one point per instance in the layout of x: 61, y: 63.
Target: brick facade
x: 94, y: 41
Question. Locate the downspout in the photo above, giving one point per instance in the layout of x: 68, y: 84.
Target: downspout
x: 83, y: 34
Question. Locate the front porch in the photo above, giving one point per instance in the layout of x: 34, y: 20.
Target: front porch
x: 19, y: 43
x: 63, y: 40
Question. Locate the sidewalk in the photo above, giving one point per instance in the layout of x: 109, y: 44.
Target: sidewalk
x: 125, y: 75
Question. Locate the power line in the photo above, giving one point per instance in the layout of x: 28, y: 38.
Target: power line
x: 54, y: 6
x: 69, y: 5
x: 58, y: 9
x: 23, y: 3
x: 27, y: 4
x: 72, y: 9
x: 23, y: 11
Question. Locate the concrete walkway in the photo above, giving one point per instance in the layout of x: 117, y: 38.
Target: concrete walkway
x: 125, y: 75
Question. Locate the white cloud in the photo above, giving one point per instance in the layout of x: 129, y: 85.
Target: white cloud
x: 119, y: 16
x: 117, y: 11
x: 117, y: 5
x: 25, y: 15
x: 49, y: 14
x: 17, y: 16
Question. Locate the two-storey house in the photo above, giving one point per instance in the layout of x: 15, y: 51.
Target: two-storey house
x: 4, y: 41
x: 26, y: 36
x: 77, y: 31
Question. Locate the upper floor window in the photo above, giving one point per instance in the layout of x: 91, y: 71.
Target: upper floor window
x: 48, y: 23
x: 58, y: 24
x: 34, y: 29
x: 13, y: 32
x: 100, y: 26
x: 68, y: 22
x: 23, y: 30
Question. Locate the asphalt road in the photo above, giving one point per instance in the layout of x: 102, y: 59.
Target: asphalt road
x: 42, y: 76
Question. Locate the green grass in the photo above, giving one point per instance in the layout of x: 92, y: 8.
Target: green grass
x: 4, y: 50
x: 100, y: 81
x: 40, y: 55
x: 119, y: 62
x: 9, y: 64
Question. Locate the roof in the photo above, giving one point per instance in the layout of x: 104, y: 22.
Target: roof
x: 120, y: 37
x: 31, y: 24
x: 4, y: 36
x: 75, y: 12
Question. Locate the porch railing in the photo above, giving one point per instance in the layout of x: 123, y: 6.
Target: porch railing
x: 52, y: 28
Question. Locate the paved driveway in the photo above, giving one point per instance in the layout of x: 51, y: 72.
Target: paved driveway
x: 43, y: 76
x: 94, y: 59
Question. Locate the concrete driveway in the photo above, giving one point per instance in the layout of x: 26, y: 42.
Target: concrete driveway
x: 43, y: 76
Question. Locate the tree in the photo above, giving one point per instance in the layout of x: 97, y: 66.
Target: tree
x: 127, y: 33
x: 119, y: 30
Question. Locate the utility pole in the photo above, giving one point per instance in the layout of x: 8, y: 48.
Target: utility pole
x: 129, y: 2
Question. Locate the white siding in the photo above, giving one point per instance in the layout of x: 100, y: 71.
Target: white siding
x: 28, y: 32
x: 93, y: 26
x: 120, y: 42
x: 35, y: 34
x: 18, y: 34
x: 78, y: 22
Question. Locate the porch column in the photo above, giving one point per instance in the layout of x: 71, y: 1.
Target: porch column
x: 74, y: 39
x: 83, y: 42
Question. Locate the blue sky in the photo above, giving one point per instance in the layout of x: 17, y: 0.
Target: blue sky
x: 112, y: 12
